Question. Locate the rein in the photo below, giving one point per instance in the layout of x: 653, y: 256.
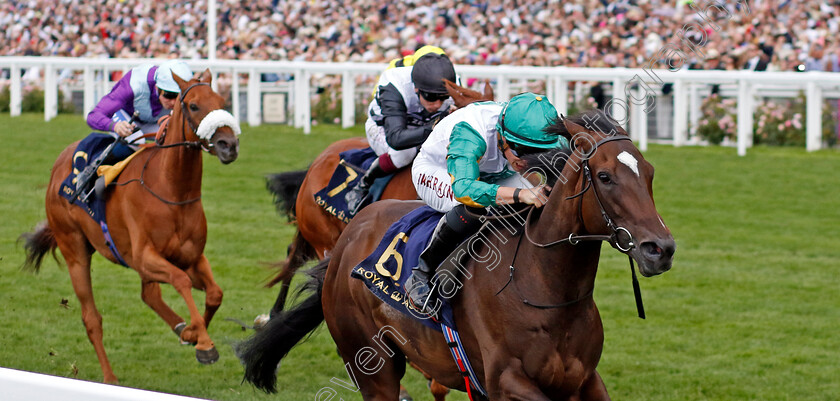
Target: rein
x: 574, y: 239
x: 525, y: 300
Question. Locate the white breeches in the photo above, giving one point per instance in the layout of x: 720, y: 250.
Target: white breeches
x: 376, y: 139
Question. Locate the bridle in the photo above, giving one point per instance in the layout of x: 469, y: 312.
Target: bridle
x: 588, y: 183
x: 200, y: 144
x: 574, y: 239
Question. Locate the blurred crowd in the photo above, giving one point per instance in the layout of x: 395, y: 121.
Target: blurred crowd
x: 779, y: 35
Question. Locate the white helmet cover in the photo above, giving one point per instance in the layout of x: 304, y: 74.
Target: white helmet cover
x: 163, y: 75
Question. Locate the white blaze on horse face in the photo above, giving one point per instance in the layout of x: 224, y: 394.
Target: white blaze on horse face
x: 629, y: 161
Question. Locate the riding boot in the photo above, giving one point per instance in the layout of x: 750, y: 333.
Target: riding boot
x: 357, y: 196
x: 86, y: 180
x: 454, y: 227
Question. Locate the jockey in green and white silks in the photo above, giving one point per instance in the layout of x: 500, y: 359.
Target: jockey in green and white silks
x: 471, y: 161
x: 408, y: 101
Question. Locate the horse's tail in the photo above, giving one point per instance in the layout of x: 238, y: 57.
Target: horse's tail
x: 37, y: 243
x: 285, y: 187
x: 263, y: 351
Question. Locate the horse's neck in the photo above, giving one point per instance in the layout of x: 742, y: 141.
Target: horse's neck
x: 568, y: 266
x: 181, y: 166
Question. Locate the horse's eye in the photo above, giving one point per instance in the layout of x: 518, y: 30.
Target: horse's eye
x: 604, y: 177
x: 193, y: 107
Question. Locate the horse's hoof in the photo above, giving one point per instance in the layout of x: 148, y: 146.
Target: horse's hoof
x: 178, y: 329
x: 207, y: 357
x: 404, y: 396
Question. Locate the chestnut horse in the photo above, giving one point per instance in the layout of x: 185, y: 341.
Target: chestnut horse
x: 317, y: 230
x: 155, y: 218
x: 531, y: 331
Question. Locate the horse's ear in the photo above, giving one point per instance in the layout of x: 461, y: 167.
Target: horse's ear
x: 580, y: 137
x: 572, y: 127
x: 488, y: 91
x: 205, y: 77
x: 464, y: 96
x: 181, y: 83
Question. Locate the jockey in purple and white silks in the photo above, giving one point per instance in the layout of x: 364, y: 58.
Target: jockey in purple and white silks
x: 408, y: 101
x: 147, y: 89
x: 472, y: 161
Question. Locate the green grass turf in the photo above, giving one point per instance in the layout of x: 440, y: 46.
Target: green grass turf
x: 749, y: 312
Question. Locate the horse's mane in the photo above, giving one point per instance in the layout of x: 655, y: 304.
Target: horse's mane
x: 593, y: 120
x: 552, y: 161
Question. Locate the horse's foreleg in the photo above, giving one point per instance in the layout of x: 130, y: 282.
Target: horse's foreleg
x: 439, y: 391
x: 202, y: 279
x: 155, y: 268
x: 594, y: 389
x: 151, y: 295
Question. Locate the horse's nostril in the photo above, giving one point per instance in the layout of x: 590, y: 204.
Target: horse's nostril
x: 658, y: 249
x: 651, y: 249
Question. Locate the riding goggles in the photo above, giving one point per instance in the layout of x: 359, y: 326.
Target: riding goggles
x: 434, y: 97
x: 516, y: 149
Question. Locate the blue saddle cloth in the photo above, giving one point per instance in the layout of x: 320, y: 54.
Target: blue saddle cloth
x: 347, y: 175
x: 386, y: 270
x: 87, y: 150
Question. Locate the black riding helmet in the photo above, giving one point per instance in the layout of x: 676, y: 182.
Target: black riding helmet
x: 430, y: 70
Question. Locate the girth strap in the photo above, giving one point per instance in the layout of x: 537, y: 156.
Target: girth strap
x: 453, y: 340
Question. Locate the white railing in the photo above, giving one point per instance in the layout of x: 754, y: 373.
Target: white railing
x: 18, y: 385
x: 687, y: 89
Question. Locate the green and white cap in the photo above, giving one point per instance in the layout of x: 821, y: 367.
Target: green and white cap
x: 524, y: 119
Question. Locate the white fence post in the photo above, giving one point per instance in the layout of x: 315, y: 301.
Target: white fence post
x: 348, y: 103
x: 105, y: 85
x: 254, y: 112
x: 694, y: 110
x: 561, y: 95
x: 813, y: 128
x: 15, y: 95
x: 642, y: 121
x: 680, y: 113
x: 503, y: 94
x: 745, y: 120
x: 234, y: 94
x: 306, y: 103
x: 50, y: 93
x: 620, y: 109
x: 303, y: 115
x: 89, y: 96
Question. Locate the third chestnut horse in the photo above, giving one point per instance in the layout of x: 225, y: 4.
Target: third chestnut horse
x: 155, y: 217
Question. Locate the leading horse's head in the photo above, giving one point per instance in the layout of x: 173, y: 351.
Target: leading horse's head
x: 207, y: 121
x: 615, y: 186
